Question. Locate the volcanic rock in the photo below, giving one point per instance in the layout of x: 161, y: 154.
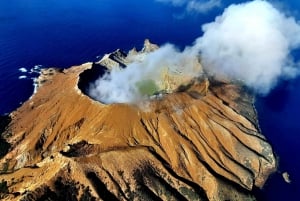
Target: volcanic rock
x: 200, y: 142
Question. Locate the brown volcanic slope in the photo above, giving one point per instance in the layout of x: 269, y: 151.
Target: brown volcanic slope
x: 193, y: 144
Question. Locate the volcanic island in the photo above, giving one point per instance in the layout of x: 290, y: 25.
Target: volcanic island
x: 194, y: 138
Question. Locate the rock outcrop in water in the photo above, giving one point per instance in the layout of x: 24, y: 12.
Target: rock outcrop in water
x: 200, y: 142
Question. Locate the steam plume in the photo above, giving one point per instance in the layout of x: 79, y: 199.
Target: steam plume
x: 251, y: 42
x: 121, y: 85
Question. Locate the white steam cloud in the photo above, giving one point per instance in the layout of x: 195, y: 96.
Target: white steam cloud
x: 201, y: 6
x: 251, y: 42
x: 121, y: 84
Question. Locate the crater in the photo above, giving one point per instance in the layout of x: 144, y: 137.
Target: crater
x: 141, y: 90
x: 136, y: 76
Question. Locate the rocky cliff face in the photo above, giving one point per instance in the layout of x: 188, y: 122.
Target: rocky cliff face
x: 200, y: 142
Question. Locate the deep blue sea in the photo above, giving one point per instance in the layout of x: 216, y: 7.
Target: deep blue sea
x: 62, y: 33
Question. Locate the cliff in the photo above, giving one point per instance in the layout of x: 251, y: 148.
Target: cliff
x: 200, y: 142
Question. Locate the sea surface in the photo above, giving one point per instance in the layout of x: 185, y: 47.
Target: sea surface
x: 62, y: 33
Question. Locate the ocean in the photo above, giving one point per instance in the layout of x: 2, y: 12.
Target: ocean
x: 63, y: 33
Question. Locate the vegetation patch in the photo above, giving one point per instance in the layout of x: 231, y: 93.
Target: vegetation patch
x: 4, y: 145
